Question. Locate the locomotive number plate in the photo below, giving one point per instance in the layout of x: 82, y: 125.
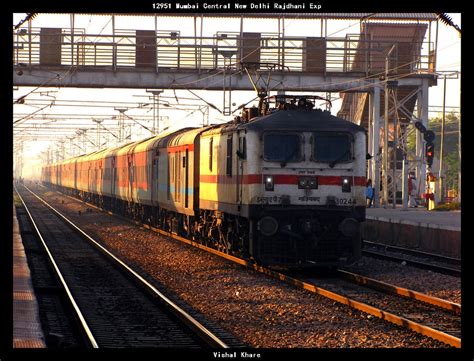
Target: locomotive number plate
x: 344, y: 201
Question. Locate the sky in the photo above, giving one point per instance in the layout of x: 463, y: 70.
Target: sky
x: 448, y: 59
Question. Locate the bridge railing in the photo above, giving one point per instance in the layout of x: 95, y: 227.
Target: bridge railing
x: 170, y: 50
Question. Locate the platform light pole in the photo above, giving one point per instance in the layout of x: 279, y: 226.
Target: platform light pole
x: 98, y: 121
x: 441, y: 173
x: 156, y: 110
x: 71, y: 147
x: 121, y: 123
x: 62, y: 150
x: 441, y: 148
x: 82, y: 134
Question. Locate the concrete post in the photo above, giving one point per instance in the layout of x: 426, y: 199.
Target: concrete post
x: 370, y: 141
x: 405, y: 184
x: 422, y: 110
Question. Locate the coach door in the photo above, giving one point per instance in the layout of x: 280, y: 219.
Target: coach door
x: 230, y: 170
x: 173, y: 188
x: 154, y: 177
x: 60, y: 168
x: 177, y: 177
x: 186, y: 177
x: 75, y: 174
x: 89, y: 175
x: 100, y: 180
x: 241, y: 157
x: 130, y: 164
x: 113, y: 175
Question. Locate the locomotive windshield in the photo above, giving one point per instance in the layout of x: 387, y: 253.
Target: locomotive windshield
x: 331, y: 148
x: 282, y: 148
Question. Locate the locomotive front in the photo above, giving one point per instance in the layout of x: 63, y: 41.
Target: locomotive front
x: 309, y: 201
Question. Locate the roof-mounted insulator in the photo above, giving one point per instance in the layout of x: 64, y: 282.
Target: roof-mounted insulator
x: 29, y: 16
x: 446, y: 19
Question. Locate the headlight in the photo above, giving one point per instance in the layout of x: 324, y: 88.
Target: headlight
x: 269, y: 183
x: 346, y: 184
x: 313, y: 183
x: 302, y: 182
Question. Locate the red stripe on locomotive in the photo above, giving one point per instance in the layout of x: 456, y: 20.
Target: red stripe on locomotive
x: 281, y: 179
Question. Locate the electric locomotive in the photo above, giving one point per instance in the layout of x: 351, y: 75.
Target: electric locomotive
x: 289, y: 186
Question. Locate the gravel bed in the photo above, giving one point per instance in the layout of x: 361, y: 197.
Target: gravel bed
x: 415, y: 311
x: 425, y: 281
x: 262, y: 312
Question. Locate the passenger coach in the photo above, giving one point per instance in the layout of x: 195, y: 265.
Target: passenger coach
x: 283, y: 186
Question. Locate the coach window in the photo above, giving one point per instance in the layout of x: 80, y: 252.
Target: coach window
x: 332, y: 147
x: 282, y: 148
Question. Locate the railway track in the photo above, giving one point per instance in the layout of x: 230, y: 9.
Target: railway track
x: 434, y: 262
x: 399, y: 305
x: 114, y: 305
x: 414, y: 314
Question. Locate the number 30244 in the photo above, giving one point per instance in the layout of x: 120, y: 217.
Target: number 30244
x: 345, y: 201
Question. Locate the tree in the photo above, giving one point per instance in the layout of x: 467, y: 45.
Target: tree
x: 451, y: 141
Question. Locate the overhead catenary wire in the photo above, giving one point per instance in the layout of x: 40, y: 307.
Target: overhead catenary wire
x: 303, y: 88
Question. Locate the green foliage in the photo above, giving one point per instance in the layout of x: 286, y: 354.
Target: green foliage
x: 451, y: 151
x: 448, y: 207
x: 451, y: 161
x: 451, y: 135
x: 451, y: 141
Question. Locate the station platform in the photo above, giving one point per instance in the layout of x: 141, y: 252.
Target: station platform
x: 27, y: 331
x: 416, y: 228
x: 450, y: 220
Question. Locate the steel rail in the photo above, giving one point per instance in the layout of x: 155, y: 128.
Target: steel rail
x: 389, y: 288
x: 206, y: 335
x: 85, y: 327
x: 390, y: 317
x: 441, y: 269
x: 438, y: 257
x: 398, y: 320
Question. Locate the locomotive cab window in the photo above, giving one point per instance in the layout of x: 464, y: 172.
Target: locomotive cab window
x: 282, y: 147
x: 332, y: 147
